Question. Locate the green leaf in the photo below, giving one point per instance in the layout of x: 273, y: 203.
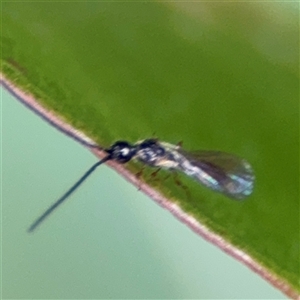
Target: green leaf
x: 219, y: 76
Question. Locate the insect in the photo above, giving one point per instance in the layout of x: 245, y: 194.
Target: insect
x: 222, y: 172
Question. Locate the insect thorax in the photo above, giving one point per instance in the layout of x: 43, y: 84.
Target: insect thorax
x: 156, y: 154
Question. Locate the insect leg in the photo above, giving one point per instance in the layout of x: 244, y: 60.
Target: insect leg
x: 180, y: 184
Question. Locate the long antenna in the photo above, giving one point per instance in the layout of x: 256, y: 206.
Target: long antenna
x: 40, y: 219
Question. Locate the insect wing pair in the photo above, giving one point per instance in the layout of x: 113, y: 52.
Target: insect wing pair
x: 220, y: 171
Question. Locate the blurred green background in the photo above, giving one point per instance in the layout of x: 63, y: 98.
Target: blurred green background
x: 108, y: 241
x: 221, y: 76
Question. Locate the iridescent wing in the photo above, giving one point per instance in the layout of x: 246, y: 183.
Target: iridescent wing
x: 220, y: 171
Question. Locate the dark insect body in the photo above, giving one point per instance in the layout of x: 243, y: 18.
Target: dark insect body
x: 222, y: 172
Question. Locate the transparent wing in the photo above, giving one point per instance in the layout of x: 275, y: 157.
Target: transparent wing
x: 220, y: 171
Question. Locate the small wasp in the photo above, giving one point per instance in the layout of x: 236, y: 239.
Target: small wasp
x: 222, y: 172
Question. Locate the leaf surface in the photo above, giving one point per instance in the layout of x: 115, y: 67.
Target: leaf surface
x: 216, y: 76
